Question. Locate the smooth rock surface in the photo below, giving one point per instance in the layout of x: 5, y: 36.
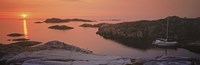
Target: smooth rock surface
x: 59, y: 53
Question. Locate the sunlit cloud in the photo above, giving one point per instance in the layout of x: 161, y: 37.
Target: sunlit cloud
x: 101, y: 8
x: 73, y: 0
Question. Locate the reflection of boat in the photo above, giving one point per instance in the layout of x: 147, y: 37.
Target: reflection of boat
x: 167, y: 41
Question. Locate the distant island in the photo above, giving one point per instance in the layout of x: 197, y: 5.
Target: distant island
x: 15, y: 35
x: 20, y: 39
x: 60, y: 27
x: 111, y: 20
x: 38, y: 22
x: 58, y: 20
x: 93, y: 25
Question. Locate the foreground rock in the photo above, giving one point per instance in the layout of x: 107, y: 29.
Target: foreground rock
x: 57, y: 20
x: 166, y: 61
x: 60, y: 27
x: 59, y: 53
x: 93, y: 25
x: 15, y: 35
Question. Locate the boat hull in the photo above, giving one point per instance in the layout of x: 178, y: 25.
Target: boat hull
x: 164, y: 43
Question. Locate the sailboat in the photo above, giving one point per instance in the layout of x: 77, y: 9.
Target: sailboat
x: 165, y: 42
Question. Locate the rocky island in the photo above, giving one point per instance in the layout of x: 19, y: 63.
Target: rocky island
x: 93, y: 25
x: 38, y: 22
x: 15, y: 35
x: 58, y: 20
x: 111, y: 20
x: 20, y: 39
x: 184, y: 30
x: 60, y: 27
x: 82, y: 20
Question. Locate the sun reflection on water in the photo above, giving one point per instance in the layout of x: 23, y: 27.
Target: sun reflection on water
x: 25, y: 28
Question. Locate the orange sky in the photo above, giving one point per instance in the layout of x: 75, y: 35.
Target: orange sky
x: 136, y: 9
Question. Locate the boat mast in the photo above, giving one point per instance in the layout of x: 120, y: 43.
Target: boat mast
x: 167, y: 28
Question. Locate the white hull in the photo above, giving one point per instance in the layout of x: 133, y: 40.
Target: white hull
x: 164, y: 43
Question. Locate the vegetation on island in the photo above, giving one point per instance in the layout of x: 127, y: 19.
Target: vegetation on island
x: 137, y: 33
x: 38, y: 22
x: 15, y: 35
x: 58, y: 20
x: 60, y: 27
x: 82, y: 20
x: 181, y: 29
x: 55, y: 20
x: 20, y: 39
x: 111, y: 20
x: 93, y: 25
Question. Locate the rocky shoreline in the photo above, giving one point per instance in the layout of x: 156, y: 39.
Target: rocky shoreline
x: 60, y: 53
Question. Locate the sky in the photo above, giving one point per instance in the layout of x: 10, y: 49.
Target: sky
x: 133, y: 9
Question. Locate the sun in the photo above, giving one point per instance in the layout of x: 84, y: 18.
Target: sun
x: 24, y: 15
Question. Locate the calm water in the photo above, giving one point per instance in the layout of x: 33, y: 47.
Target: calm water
x: 81, y: 37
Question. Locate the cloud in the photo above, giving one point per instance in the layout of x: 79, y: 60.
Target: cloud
x: 72, y: 0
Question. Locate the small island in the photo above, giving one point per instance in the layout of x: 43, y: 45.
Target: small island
x: 60, y: 27
x: 93, y: 25
x: 38, y: 22
x: 82, y: 20
x: 15, y: 35
x: 20, y: 39
x: 55, y: 20
x: 16, y: 47
x: 58, y: 20
x: 111, y: 20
